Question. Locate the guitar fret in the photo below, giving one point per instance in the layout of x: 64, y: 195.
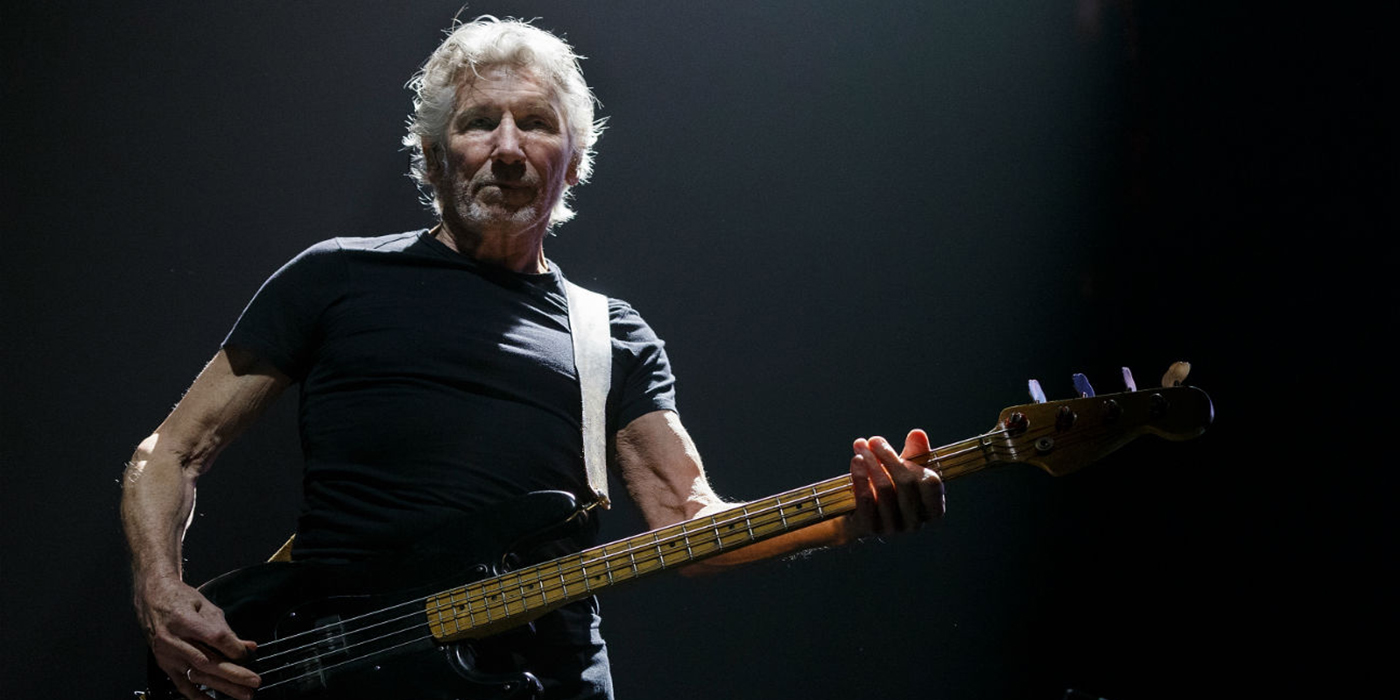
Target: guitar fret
x: 452, y: 602
x: 505, y: 595
x: 575, y: 566
x: 524, y: 597
x: 491, y: 597
x: 539, y: 586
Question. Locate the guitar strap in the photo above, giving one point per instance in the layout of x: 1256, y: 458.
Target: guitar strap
x: 590, y: 328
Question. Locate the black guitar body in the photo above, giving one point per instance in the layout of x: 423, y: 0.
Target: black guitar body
x: 360, y: 632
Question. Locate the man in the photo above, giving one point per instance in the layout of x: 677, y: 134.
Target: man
x: 437, y: 376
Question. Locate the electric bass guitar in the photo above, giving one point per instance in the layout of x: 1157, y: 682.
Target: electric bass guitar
x: 415, y: 626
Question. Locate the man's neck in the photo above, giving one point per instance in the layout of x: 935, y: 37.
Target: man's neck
x: 518, y: 251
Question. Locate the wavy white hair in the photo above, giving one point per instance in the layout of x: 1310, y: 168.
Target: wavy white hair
x: 480, y: 44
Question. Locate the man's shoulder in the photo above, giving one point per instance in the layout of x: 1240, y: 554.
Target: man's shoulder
x: 391, y: 243
x: 331, y: 253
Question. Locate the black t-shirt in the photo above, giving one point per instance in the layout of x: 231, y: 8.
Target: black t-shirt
x: 432, y: 385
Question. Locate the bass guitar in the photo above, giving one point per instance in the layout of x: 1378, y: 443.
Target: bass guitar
x: 414, y: 626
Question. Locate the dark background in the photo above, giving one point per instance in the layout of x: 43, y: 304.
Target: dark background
x: 846, y: 219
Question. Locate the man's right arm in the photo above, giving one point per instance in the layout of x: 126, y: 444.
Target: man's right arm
x: 188, y: 635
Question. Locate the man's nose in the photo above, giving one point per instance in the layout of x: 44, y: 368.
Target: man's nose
x: 508, y: 146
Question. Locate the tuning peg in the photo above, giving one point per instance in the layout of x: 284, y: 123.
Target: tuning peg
x: 1037, y: 394
x: 1081, y: 385
x: 1176, y: 374
x: 1128, y: 379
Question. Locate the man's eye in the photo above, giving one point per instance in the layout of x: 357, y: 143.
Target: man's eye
x: 478, y: 123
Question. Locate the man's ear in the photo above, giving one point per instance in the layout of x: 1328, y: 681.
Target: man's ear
x: 571, y: 175
x: 432, y: 159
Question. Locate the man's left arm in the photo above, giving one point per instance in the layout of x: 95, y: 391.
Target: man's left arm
x: 665, y: 477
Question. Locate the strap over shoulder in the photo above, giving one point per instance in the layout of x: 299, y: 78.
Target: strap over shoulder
x: 589, y: 325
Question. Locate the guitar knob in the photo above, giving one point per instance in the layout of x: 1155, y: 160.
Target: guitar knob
x: 1081, y: 385
x: 1158, y: 406
x: 1065, y: 418
x: 1112, y: 412
x: 1017, y: 423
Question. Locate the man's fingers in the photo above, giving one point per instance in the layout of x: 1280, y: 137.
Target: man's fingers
x: 907, y: 477
x: 195, y: 650
x: 893, y: 493
x: 223, y: 640
x: 860, y: 484
x: 208, y: 627
x: 873, y: 490
x: 916, y: 444
x: 183, y: 678
x: 884, y: 516
x: 187, y: 687
x: 211, y: 630
x: 931, y: 495
x: 176, y: 655
x: 930, y: 486
x: 227, y: 678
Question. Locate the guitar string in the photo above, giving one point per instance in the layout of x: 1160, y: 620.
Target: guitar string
x: 643, y: 543
x: 338, y: 664
x: 521, y: 598
x: 606, y: 556
x: 635, y: 544
x: 936, y: 458
x: 512, y: 597
x: 504, y: 583
x: 376, y: 652
x: 932, y: 458
x: 614, y: 555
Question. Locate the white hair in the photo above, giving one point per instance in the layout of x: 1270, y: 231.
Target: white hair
x: 483, y: 43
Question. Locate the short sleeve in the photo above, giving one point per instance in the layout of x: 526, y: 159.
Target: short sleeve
x: 282, y: 322
x: 642, y: 378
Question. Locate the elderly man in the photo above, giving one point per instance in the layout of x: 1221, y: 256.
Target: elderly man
x: 438, y: 378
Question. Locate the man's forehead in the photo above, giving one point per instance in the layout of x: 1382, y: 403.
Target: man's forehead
x: 493, y: 82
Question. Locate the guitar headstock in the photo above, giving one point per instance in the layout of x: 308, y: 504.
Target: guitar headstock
x: 1063, y: 436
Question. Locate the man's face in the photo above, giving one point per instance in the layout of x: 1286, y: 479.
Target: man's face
x: 508, y: 153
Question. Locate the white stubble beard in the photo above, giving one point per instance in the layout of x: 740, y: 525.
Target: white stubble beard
x: 480, y: 216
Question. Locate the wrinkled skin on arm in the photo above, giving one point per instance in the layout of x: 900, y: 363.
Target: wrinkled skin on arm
x: 188, y: 635
x: 665, y: 477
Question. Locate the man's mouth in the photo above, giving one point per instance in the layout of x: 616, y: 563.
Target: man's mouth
x: 506, y: 186
x: 509, y: 194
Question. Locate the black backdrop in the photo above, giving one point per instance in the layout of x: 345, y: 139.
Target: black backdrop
x: 847, y: 219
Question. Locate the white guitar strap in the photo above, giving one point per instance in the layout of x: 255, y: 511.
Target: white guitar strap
x: 590, y: 328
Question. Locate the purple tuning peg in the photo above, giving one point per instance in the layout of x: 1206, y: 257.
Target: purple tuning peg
x: 1081, y: 385
x: 1128, y: 379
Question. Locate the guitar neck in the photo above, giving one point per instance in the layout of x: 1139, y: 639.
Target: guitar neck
x: 497, y: 603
